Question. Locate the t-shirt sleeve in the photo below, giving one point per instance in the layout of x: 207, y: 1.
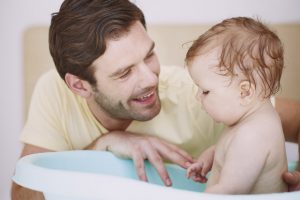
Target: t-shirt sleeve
x: 43, y: 127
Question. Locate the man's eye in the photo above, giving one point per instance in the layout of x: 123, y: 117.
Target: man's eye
x: 150, y: 55
x: 125, y: 74
x: 205, y: 92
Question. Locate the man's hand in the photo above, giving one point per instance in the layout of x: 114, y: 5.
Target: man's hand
x: 139, y: 148
x: 293, y: 180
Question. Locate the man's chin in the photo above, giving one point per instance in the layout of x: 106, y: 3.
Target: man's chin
x: 147, y: 115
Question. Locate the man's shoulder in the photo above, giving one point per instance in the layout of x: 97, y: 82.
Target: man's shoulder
x: 51, y: 81
x: 51, y: 87
x: 50, y: 76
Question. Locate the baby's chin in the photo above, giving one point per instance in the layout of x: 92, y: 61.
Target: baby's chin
x: 218, y: 120
x: 222, y: 121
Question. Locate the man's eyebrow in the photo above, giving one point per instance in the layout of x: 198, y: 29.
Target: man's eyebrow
x: 151, y: 49
x: 121, y: 71
x: 124, y: 69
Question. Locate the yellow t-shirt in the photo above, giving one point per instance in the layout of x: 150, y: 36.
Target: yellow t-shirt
x: 60, y: 120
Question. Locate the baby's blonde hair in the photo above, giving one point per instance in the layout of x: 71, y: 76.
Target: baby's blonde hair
x: 247, y: 45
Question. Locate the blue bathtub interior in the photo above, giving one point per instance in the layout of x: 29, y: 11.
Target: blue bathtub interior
x: 107, y: 163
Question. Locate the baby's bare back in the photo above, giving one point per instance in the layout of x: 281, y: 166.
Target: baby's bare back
x: 250, y: 157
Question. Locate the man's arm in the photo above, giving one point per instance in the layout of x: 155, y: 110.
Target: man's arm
x: 289, y: 112
x: 20, y: 193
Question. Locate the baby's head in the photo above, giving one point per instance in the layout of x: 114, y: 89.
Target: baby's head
x: 240, y: 53
x: 247, y: 47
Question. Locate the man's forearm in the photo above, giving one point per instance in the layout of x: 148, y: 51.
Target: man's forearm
x: 21, y: 193
x: 101, y: 143
x: 289, y: 112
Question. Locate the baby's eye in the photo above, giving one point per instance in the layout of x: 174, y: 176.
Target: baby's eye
x: 205, y: 92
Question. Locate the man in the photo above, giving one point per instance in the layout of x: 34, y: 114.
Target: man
x: 111, y: 94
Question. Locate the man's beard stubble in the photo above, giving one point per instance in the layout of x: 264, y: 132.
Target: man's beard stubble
x: 118, y: 110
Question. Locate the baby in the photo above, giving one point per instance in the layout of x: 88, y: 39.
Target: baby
x: 237, y: 65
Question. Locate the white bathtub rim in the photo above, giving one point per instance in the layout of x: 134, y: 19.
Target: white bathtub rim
x: 113, y: 187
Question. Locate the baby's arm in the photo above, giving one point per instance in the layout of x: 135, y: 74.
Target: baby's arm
x: 244, y: 159
x: 198, y: 170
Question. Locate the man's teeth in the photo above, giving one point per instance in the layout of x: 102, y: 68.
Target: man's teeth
x: 146, y: 96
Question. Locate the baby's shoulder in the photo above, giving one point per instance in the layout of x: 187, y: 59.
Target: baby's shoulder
x: 258, y: 132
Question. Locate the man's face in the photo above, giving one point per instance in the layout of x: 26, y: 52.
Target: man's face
x: 127, y: 77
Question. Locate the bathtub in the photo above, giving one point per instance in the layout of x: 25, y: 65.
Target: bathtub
x: 94, y: 175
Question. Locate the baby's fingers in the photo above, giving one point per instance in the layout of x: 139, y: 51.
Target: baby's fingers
x: 200, y: 179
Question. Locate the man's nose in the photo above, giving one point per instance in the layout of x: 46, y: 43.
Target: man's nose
x: 148, y: 77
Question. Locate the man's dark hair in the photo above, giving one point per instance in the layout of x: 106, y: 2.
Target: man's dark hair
x: 79, y: 32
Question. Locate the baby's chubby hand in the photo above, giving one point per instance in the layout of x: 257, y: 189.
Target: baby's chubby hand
x: 198, y: 171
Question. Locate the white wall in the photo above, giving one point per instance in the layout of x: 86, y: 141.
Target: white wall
x: 16, y: 15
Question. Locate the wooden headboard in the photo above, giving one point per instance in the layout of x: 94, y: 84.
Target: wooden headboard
x: 172, y: 42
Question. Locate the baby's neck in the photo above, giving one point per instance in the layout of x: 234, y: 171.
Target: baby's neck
x: 255, y: 109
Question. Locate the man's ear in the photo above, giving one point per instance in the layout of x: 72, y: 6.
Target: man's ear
x: 247, y: 91
x: 78, y: 86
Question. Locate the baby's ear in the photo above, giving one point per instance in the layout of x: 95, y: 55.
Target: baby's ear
x: 78, y: 86
x: 247, y: 91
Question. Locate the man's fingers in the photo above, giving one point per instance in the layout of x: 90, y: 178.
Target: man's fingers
x: 155, y: 150
x: 180, y: 151
x: 173, y: 154
x: 157, y: 162
x: 154, y: 158
x: 292, y: 178
x: 140, y: 166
